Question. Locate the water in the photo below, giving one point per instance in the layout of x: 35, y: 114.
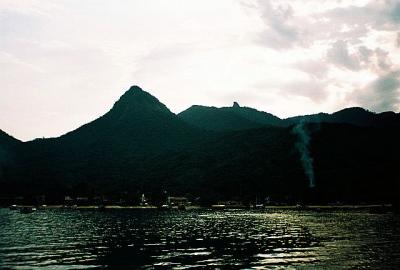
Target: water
x: 200, y: 239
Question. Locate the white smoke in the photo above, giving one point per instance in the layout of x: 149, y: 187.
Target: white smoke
x: 303, y: 147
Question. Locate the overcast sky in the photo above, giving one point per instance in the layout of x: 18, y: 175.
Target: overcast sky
x: 64, y: 63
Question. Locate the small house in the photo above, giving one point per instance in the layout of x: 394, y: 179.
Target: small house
x: 177, y: 201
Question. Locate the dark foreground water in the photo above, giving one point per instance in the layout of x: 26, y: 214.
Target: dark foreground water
x: 201, y: 239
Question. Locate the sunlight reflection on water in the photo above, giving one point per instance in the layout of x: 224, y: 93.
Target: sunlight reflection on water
x: 151, y: 239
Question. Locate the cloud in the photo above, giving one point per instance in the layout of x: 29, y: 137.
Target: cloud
x: 288, y: 57
x: 398, y: 40
x: 313, y: 89
x: 281, y: 30
x: 365, y: 53
x: 314, y: 68
x: 340, y: 56
x: 7, y: 60
x: 383, y: 94
x: 381, y: 15
x: 383, y: 60
x: 288, y: 24
x: 363, y: 58
x: 338, y: 45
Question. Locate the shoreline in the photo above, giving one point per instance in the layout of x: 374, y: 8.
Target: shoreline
x: 271, y: 207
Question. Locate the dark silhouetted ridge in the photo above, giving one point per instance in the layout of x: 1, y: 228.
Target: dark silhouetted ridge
x: 6, y: 139
x: 136, y: 101
x: 137, y: 120
x: 214, y: 154
x: 228, y: 118
x: 355, y: 116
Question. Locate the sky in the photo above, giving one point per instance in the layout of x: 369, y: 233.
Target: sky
x: 64, y: 63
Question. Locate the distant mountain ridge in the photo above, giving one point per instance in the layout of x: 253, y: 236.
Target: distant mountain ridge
x: 117, y: 146
x: 228, y: 118
x: 236, y: 152
x: 136, y: 103
x: 355, y: 116
x: 239, y: 118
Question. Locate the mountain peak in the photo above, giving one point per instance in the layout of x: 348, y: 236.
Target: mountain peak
x: 135, y: 91
x: 135, y: 94
x: 137, y: 101
x: 135, y: 88
x: 355, y: 110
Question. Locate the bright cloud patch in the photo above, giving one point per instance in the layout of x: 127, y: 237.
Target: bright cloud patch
x: 66, y: 62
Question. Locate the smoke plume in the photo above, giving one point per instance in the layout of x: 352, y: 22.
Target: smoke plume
x: 303, y: 147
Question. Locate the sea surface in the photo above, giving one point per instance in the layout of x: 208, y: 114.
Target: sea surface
x: 198, y: 239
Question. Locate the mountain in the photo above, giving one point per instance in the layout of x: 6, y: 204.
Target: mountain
x: 240, y: 118
x: 7, y: 140
x: 355, y: 116
x: 118, y: 146
x: 228, y: 118
x: 8, y: 145
x: 140, y: 146
x: 139, y: 120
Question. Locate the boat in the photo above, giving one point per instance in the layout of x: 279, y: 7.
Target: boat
x: 218, y: 206
x: 259, y: 206
x: 69, y: 207
x: 229, y: 205
x: 164, y: 207
x: 302, y: 207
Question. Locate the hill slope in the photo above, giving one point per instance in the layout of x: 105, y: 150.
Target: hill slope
x: 228, y: 118
x: 140, y: 146
x: 241, y: 118
x: 113, y: 148
x: 7, y: 140
x: 138, y: 119
x: 355, y: 116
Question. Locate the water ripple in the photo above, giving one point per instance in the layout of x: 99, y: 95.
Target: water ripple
x: 132, y: 239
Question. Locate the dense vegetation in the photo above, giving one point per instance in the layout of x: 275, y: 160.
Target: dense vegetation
x: 208, y: 154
